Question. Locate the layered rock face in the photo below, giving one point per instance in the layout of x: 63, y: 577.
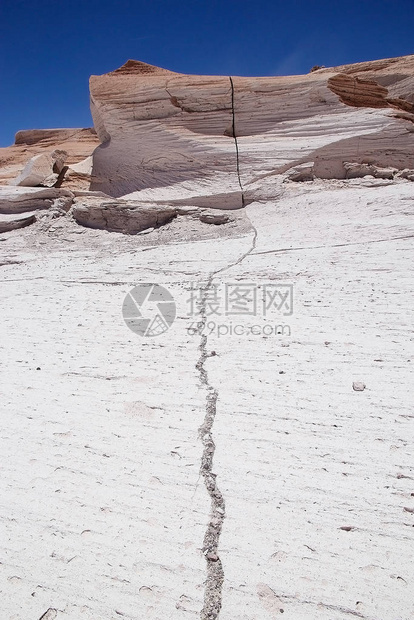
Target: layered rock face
x: 162, y: 131
x: 213, y: 140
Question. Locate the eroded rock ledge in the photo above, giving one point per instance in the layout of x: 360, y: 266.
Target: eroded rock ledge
x: 131, y: 217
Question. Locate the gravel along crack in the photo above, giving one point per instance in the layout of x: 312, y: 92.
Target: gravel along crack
x: 215, y: 572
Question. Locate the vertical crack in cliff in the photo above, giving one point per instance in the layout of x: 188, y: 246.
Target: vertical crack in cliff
x: 215, y: 573
x: 235, y: 138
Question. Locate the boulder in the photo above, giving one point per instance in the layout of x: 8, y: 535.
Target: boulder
x: 209, y: 217
x: 302, y: 172
x: 10, y: 222
x: 77, y: 177
x: 40, y: 168
x: 355, y: 170
x: 121, y: 216
x: 23, y: 199
x: 406, y: 174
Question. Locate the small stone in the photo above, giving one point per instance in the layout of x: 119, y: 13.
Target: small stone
x: 346, y: 528
x: 358, y: 386
x: 213, y: 557
x: 214, y: 218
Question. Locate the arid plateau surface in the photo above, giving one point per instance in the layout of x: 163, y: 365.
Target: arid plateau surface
x: 207, y: 350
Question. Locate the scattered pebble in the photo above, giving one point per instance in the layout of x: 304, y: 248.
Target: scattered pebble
x: 358, y: 386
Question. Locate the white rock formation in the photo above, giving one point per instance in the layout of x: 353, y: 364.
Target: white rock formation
x: 231, y: 467
x: 211, y: 139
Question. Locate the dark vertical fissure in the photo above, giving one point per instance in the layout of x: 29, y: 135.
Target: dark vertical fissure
x: 235, y: 138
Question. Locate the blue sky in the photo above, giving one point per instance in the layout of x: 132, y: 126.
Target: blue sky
x: 48, y: 49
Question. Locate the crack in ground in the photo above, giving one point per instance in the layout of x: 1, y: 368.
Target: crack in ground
x: 335, y: 245
x: 215, y: 573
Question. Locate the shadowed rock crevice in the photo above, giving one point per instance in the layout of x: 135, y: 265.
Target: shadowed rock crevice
x: 233, y: 112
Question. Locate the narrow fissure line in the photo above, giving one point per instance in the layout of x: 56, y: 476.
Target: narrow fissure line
x: 235, y: 138
x: 335, y: 245
x: 215, y: 573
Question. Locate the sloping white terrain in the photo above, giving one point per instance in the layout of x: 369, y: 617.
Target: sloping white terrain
x: 255, y: 460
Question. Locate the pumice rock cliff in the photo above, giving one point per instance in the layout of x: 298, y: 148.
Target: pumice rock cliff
x: 214, y: 139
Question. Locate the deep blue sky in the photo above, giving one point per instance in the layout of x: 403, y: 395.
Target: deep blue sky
x: 48, y: 49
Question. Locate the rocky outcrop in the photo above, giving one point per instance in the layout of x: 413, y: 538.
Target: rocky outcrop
x: 8, y: 222
x: 195, y: 138
x: 165, y: 139
x: 77, y: 143
x: 41, y: 168
x: 355, y: 171
x: 22, y: 199
x: 131, y: 217
x: 121, y: 216
x: 363, y: 93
